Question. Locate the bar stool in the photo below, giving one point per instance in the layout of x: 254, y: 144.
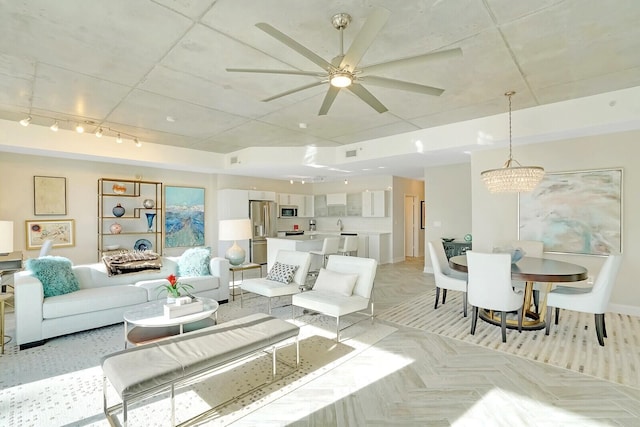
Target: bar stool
x: 350, y: 245
x: 3, y: 299
x: 329, y: 247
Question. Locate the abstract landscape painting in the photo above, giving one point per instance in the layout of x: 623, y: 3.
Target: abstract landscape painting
x: 575, y: 212
x: 184, y: 217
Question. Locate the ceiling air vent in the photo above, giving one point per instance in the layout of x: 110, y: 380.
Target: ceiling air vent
x: 234, y: 160
x: 350, y: 153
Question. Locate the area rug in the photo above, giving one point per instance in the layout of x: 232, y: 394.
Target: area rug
x: 572, y: 344
x: 60, y: 383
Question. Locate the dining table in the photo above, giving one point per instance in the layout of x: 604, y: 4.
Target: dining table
x: 529, y: 270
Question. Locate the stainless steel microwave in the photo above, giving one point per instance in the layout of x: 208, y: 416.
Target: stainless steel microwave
x: 288, y: 211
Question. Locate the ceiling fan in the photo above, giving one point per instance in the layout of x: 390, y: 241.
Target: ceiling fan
x: 343, y: 72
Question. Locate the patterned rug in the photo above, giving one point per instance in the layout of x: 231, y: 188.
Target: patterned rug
x: 572, y: 344
x: 60, y: 382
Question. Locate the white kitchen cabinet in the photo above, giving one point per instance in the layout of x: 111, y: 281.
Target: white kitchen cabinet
x: 373, y: 203
x: 305, y: 209
x: 337, y: 199
x: 380, y: 247
x: 285, y: 199
x: 262, y: 195
x: 363, y: 246
x: 233, y: 204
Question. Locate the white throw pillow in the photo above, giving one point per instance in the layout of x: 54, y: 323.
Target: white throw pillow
x: 332, y: 281
x: 282, y: 272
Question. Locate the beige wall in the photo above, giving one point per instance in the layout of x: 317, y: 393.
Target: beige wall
x: 448, y: 204
x: 405, y: 187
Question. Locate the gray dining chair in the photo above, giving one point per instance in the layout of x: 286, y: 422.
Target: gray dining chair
x: 489, y: 287
x: 446, y: 278
x: 594, y: 300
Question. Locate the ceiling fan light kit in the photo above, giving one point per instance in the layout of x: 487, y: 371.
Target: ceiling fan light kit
x: 343, y: 72
x: 512, y: 177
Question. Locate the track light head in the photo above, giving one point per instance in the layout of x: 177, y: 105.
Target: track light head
x: 119, y: 139
x: 54, y: 127
x: 79, y: 128
x: 26, y: 121
x: 138, y: 143
x: 99, y: 133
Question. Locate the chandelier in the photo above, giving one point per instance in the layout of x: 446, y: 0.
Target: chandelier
x: 512, y: 177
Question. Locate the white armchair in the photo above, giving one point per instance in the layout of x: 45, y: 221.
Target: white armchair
x: 336, y: 292
x: 445, y: 277
x: 490, y: 288
x: 594, y: 300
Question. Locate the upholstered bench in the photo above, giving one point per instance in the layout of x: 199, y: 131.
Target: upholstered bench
x: 140, y: 372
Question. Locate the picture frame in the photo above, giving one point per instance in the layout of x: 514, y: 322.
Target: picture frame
x: 49, y: 195
x: 62, y: 232
x: 184, y: 216
x: 423, y: 218
x: 578, y: 212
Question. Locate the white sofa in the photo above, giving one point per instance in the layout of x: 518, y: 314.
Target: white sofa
x: 102, y: 299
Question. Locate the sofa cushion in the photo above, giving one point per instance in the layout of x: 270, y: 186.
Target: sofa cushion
x: 194, y: 262
x: 332, y: 281
x: 92, y: 300
x: 282, y: 273
x: 55, y: 273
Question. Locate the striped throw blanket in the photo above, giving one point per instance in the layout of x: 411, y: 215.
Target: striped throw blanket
x: 132, y: 262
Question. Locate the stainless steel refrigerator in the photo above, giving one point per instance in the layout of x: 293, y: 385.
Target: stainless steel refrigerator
x: 263, y: 216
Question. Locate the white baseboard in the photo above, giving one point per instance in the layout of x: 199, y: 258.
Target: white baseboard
x: 631, y: 310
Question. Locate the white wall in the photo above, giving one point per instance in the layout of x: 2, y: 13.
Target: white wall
x: 494, y: 217
x: 448, y: 204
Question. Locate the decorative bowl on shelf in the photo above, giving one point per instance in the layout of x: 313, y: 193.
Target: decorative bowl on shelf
x: 112, y: 247
x: 119, y: 188
x: 448, y: 239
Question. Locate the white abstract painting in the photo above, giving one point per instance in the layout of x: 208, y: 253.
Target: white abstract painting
x: 574, y: 212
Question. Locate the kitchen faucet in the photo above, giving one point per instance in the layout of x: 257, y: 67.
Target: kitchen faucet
x: 339, y: 224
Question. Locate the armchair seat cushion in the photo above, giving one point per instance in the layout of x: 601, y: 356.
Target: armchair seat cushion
x: 269, y: 288
x: 330, y: 303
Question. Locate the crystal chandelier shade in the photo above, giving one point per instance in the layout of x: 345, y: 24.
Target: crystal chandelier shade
x: 512, y: 177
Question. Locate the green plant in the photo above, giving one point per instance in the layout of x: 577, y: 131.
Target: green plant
x: 174, y: 287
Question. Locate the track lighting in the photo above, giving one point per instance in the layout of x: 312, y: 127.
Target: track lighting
x: 99, y: 133
x: 54, y: 127
x: 346, y: 181
x: 119, y: 139
x: 138, y: 143
x: 290, y: 181
x: 25, y: 122
x: 79, y: 128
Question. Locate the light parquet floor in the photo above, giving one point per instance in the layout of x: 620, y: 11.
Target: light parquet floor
x: 415, y: 378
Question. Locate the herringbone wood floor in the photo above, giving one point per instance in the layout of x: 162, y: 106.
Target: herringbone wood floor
x: 414, y: 378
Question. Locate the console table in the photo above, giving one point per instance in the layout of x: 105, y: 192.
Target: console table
x: 456, y: 248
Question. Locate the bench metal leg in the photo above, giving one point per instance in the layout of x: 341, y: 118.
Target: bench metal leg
x: 338, y: 329
x: 273, y: 358
x: 173, y: 405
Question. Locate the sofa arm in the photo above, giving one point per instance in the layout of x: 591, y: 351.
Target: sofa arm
x: 29, y: 296
x: 219, y: 267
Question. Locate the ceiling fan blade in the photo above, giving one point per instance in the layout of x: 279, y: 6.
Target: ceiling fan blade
x: 402, y: 85
x: 367, y: 97
x: 289, y: 92
x: 328, y: 100
x: 365, y: 38
x: 283, y: 38
x: 444, y: 54
x: 294, y: 72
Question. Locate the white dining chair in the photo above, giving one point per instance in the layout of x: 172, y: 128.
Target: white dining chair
x: 446, y: 278
x: 594, y: 300
x: 330, y: 246
x: 350, y: 246
x: 489, y: 287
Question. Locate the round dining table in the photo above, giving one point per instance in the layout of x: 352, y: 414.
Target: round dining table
x: 530, y: 270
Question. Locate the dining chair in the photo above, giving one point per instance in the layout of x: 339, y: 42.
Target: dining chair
x: 330, y: 246
x: 594, y: 300
x: 489, y: 287
x: 535, y: 249
x: 350, y: 245
x: 446, y: 278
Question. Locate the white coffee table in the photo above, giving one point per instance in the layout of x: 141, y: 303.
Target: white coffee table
x: 146, y: 322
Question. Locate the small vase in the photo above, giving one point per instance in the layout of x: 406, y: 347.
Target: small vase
x: 149, y: 203
x: 150, y: 217
x: 118, y: 210
x: 115, y: 228
x: 171, y: 299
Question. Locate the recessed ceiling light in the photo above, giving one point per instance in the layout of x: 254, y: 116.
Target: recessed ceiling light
x: 171, y: 119
x: 302, y: 125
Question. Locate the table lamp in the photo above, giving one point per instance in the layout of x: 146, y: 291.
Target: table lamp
x: 234, y: 230
x: 6, y: 237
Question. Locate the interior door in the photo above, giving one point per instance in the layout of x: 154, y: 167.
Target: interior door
x: 410, y: 234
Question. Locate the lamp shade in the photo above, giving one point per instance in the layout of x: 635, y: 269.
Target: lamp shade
x: 234, y: 229
x: 6, y: 237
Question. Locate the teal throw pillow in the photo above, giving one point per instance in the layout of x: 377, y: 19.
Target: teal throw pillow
x: 55, y: 273
x: 194, y: 262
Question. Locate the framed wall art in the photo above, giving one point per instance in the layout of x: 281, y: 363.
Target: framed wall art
x: 574, y: 212
x: 61, y: 232
x: 423, y: 216
x: 49, y: 195
x: 184, y: 216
